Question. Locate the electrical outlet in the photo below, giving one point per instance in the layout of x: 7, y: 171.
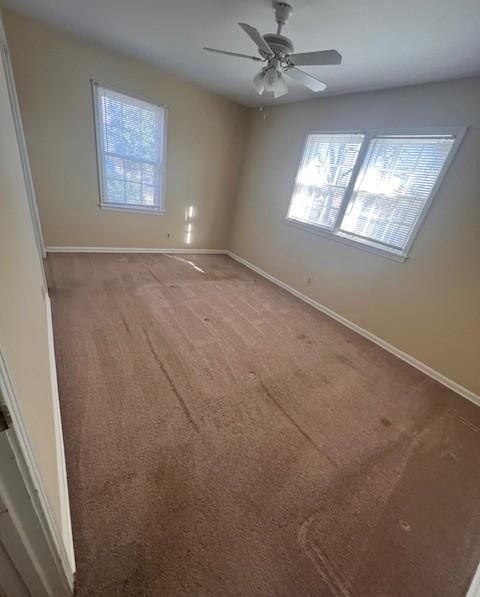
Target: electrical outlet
x: 309, y: 280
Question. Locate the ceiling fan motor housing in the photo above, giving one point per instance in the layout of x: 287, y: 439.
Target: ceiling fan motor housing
x: 280, y: 44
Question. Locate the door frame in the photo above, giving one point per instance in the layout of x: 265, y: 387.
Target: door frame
x: 11, y: 582
x: 28, y: 530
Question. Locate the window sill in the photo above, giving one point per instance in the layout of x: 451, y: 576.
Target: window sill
x: 133, y: 209
x: 391, y: 254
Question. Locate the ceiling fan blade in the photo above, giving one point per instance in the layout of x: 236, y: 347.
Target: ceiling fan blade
x: 305, y: 79
x: 236, y: 54
x: 257, y: 39
x: 323, y: 58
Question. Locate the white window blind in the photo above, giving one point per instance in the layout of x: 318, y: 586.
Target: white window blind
x: 131, y: 141
x: 323, y: 176
x: 393, y: 186
x: 370, y: 189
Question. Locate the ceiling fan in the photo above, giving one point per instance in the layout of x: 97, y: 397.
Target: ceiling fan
x: 276, y: 51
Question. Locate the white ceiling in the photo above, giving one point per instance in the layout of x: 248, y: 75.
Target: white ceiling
x: 384, y: 43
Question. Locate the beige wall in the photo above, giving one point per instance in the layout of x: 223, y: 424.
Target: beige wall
x: 428, y: 306
x: 23, y: 315
x: 205, y: 139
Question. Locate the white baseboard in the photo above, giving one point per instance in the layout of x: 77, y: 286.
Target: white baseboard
x: 66, y: 530
x: 436, y: 375
x: 133, y: 250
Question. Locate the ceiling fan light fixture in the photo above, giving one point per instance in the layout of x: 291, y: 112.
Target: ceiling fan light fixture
x: 281, y: 88
x: 258, y: 82
x: 270, y: 79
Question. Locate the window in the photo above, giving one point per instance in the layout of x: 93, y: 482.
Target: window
x: 131, y: 151
x: 323, y: 177
x: 369, y: 189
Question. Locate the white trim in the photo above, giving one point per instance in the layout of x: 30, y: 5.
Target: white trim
x: 136, y: 209
x: 67, y: 534
x: 133, y: 250
x: 335, y: 233
x: 35, y: 524
x: 346, y: 240
x: 22, y: 144
x: 474, y: 590
x: 135, y: 96
x: 436, y: 375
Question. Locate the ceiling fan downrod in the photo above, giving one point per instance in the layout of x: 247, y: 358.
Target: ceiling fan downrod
x: 283, y: 12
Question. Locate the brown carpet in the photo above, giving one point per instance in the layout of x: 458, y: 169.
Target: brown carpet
x: 223, y: 438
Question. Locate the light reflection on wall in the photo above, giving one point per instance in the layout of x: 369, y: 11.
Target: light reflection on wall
x: 189, y: 216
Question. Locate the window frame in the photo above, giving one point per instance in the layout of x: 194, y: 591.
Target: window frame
x: 335, y: 233
x: 158, y: 209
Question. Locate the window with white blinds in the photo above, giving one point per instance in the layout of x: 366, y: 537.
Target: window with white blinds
x: 370, y: 189
x: 131, y: 148
x: 394, y: 184
x: 323, y: 177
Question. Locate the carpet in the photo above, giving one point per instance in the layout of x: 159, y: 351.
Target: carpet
x: 224, y: 438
